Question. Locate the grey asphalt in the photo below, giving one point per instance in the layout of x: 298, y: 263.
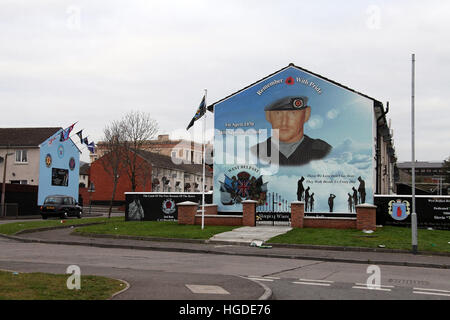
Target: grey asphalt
x: 320, y: 253
x: 163, y: 285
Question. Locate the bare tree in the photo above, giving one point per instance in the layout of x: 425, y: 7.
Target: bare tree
x: 138, y: 127
x: 113, y: 140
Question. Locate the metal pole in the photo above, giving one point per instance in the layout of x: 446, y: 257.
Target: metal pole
x: 413, y: 215
x: 204, y: 164
x: 4, y: 185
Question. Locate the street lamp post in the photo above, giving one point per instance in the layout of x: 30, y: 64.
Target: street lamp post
x: 413, y: 214
x: 90, y: 190
x: 3, y: 213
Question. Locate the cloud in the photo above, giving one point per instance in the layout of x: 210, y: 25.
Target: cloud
x: 332, y: 114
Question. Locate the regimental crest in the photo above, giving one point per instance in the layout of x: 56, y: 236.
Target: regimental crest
x: 243, y: 186
x: 48, y: 160
x: 399, y: 210
x: 168, y: 206
x: 60, y: 151
x: 72, y: 163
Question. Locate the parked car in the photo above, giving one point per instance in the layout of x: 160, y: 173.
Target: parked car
x: 60, y: 206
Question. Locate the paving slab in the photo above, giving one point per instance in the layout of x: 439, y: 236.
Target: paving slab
x: 249, y: 234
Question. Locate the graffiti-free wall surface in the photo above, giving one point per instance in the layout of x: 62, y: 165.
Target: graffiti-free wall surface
x: 294, y: 136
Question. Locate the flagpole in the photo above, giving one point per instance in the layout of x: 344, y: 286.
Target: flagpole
x: 204, y: 164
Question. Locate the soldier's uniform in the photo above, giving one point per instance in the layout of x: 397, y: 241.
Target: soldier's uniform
x: 309, y: 148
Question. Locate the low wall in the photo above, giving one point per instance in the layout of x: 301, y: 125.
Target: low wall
x: 364, y: 220
x: 334, y: 223
x: 219, y: 220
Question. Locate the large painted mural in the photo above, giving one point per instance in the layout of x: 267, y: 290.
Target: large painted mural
x: 294, y: 136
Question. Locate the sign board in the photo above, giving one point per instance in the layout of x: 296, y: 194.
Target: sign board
x: 432, y: 211
x: 298, y: 136
x: 158, y: 206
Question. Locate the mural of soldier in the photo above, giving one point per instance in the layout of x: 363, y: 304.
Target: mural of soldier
x: 331, y: 201
x: 350, y: 202
x: 311, y: 202
x: 300, y: 189
x: 355, y: 197
x: 135, y: 210
x: 307, y: 198
x: 362, y: 190
x: 287, y: 117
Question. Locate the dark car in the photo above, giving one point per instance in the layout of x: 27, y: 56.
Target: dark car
x: 60, y: 206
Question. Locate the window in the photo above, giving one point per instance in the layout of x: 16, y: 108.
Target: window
x: 21, y: 156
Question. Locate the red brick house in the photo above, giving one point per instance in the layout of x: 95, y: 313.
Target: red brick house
x: 157, y: 173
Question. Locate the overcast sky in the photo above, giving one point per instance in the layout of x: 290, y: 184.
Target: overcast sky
x: 93, y: 61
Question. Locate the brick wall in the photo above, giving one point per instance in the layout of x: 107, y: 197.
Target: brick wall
x: 219, y: 220
x: 343, y: 223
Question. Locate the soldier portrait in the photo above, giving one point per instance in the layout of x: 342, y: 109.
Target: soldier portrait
x: 287, y: 117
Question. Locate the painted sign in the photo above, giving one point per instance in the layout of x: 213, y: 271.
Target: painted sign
x: 158, y: 206
x: 432, y: 211
x: 295, y: 136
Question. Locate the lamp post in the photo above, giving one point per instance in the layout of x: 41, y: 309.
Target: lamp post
x: 3, y: 213
x: 413, y: 214
x: 90, y: 190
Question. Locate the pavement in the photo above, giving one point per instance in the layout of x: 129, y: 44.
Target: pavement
x: 237, y: 243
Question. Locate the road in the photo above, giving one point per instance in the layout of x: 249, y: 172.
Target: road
x: 168, y: 275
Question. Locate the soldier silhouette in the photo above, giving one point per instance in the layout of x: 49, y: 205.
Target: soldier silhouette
x: 350, y: 202
x: 362, y: 190
x: 300, y: 189
x: 306, y: 198
x: 311, y: 202
x: 331, y: 201
x: 355, y: 197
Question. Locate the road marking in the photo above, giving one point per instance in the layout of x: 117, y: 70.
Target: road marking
x: 313, y: 283
x: 260, y: 279
x: 324, y: 281
x: 433, y: 293
x: 373, y: 285
x: 274, y: 278
x: 423, y: 289
x: 374, y: 288
x: 206, y: 289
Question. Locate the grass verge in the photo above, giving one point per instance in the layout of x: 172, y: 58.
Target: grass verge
x: 14, y: 227
x: 159, y: 229
x: 389, y: 236
x: 44, y: 286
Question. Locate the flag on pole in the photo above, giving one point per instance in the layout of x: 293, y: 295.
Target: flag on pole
x: 85, y: 141
x: 200, y: 112
x: 80, y: 135
x: 65, y: 133
x: 91, y: 147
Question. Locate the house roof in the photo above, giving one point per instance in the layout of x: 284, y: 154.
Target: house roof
x: 84, y: 168
x: 25, y: 137
x: 211, y: 106
x: 420, y: 164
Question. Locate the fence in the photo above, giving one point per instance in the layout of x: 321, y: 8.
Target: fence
x: 11, y: 210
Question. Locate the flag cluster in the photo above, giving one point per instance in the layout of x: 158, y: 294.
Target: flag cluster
x: 90, y: 145
x: 65, y: 135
